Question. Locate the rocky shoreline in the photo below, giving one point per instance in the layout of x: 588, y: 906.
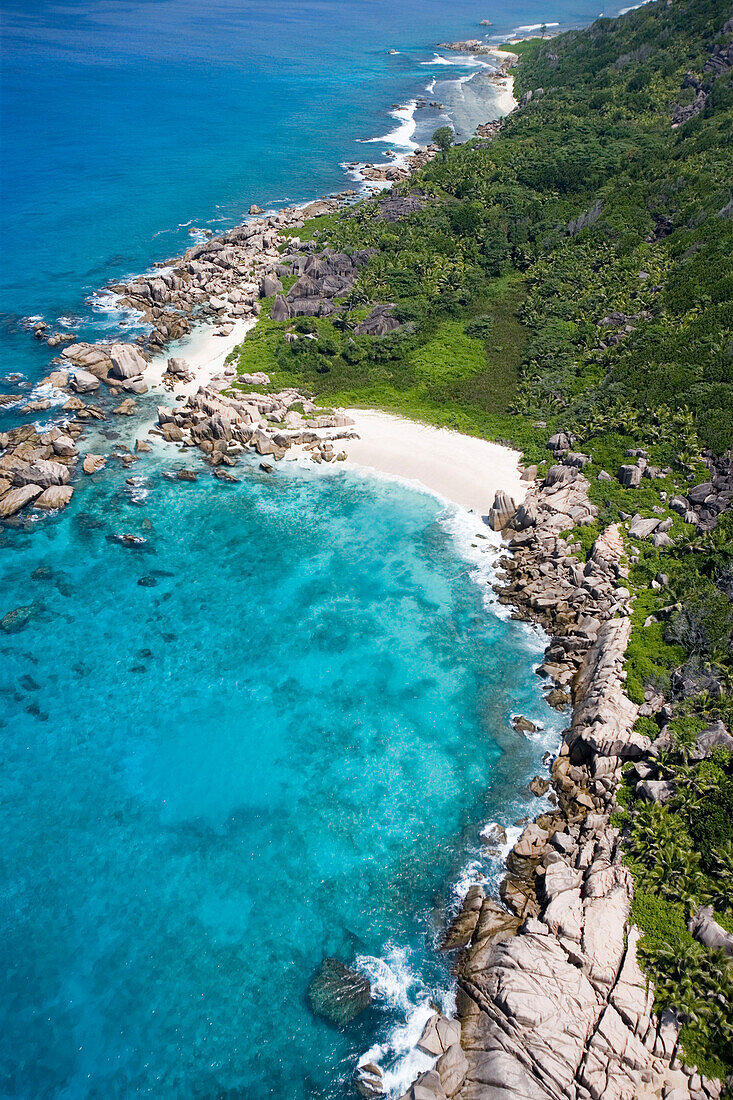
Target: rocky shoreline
x: 551, y: 1000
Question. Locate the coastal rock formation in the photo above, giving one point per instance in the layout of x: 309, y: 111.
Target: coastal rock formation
x: 92, y: 464
x: 224, y: 427
x: 12, y: 500
x: 551, y: 999
x: 501, y: 511
x: 55, y: 497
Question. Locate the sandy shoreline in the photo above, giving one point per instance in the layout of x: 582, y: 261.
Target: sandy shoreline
x: 460, y: 468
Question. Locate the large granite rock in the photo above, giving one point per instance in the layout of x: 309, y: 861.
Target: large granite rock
x: 83, y: 381
x: 14, y: 499
x: 55, y: 497
x: 127, y: 361
x: 501, y: 511
x: 707, y: 930
x: 439, y: 1034
x: 43, y: 472
x: 428, y: 1086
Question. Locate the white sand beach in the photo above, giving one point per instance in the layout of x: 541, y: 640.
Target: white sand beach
x: 203, y: 350
x: 461, y: 468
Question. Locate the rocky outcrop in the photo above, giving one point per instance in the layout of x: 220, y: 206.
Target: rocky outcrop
x: 92, y: 463
x: 54, y: 498
x: 501, y: 511
x: 224, y: 427
x: 13, y: 500
x: 551, y: 999
x: 706, y: 929
x: 380, y: 322
x: 35, y: 467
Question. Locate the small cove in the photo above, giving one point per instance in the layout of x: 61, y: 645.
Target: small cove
x: 280, y: 746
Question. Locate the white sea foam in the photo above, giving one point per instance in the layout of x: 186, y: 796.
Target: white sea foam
x: 402, y: 135
x: 533, y: 27
x: 137, y: 489
x: 399, y: 989
x: 633, y: 7
x: 438, y: 59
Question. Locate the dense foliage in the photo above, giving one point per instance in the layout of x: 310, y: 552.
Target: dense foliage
x: 681, y: 852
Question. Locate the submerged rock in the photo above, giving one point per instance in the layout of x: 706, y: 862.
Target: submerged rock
x: 15, y: 620
x: 339, y: 993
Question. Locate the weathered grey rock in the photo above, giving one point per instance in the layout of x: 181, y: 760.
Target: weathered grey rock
x: 427, y: 1087
x: 463, y: 925
x: 15, y: 499
x: 380, y: 322
x: 699, y: 493
x: 82, y: 381
x: 501, y: 510
x: 642, y: 528
x: 270, y: 285
x: 43, y: 472
x: 439, y: 1034
x: 281, y: 309
x: 338, y: 993
x: 559, y: 442
x: 493, y: 835
x: 259, y: 378
x: 712, y: 737
x: 655, y: 790
x: 707, y: 930
x: 127, y: 408
x: 127, y: 361
x: 630, y: 476
x: 90, y: 357
x: 64, y: 446
x: 632, y: 996
x: 177, y: 366
x: 532, y: 842
x: 451, y: 1068
x: 525, y: 517
x: 575, y: 458
x: 54, y: 497
x: 369, y: 1080
x: 92, y: 464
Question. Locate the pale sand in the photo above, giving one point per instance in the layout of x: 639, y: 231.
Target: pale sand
x: 204, y: 352
x: 460, y: 468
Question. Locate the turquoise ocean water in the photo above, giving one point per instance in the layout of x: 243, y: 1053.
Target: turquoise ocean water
x: 274, y: 732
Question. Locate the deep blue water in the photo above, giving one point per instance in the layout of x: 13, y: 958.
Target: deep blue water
x: 283, y: 743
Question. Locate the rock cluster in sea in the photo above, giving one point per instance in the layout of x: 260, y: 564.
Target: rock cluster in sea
x: 224, y: 427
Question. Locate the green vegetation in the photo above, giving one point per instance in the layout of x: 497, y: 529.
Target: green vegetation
x: 443, y: 138
x: 575, y: 274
